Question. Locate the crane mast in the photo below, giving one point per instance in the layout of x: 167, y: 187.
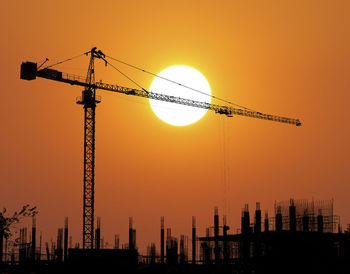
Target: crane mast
x: 89, y: 100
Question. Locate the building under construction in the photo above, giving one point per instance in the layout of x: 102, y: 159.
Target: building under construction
x: 301, y: 237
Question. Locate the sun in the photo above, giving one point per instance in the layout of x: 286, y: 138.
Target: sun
x: 175, y: 114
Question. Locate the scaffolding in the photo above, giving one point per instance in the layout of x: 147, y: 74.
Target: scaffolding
x: 307, y: 210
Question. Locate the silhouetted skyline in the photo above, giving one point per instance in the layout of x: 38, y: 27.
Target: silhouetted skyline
x: 287, y: 59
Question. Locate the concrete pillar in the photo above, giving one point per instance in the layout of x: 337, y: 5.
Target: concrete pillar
x: 194, y: 240
x: 216, y: 236
x: 98, y: 234
x: 257, y: 224
x: 320, y: 222
x: 305, y: 222
x: 266, y: 222
x: 131, y: 242
x: 33, y: 237
x: 245, y: 222
x: 225, y: 251
x: 292, y: 216
x: 278, y: 223
x: 65, y: 241
x: 162, y: 239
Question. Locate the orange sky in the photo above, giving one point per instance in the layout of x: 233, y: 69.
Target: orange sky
x: 289, y: 58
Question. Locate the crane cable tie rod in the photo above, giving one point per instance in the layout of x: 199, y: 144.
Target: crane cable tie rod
x: 69, y: 59
x: 177, y: 83
x: 122, y: 73
x: 143, y: 70
x: 47, y: 59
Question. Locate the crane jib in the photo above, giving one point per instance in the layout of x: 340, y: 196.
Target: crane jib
x: 29, y: 72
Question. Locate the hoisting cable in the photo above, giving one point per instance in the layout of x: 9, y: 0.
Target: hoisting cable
x: 74, y: 57
x: 227, y: 155
x: 177, y: 83
x: 225, y: 173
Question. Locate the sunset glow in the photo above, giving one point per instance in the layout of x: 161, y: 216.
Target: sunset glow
x: 289, y: 58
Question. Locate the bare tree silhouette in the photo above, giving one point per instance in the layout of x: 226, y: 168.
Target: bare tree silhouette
x: 8, y: 222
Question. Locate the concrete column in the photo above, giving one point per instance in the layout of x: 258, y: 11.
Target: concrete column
x: 194, y: 240
x: 162, y: 239
x: 292, y: 216
x: 216, y: 236
x: 65, y: 241
x: 33, y: 237
x: 257, y: 224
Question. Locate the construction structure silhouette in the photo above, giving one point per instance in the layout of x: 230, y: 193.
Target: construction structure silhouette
x: 89, y: 100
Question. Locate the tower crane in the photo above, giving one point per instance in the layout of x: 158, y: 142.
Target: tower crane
x: 89, y: 100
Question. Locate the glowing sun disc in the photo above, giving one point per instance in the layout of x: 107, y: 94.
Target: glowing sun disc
x: 175, y: 114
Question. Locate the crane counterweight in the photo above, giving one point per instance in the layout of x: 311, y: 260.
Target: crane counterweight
x: 28, y: 70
